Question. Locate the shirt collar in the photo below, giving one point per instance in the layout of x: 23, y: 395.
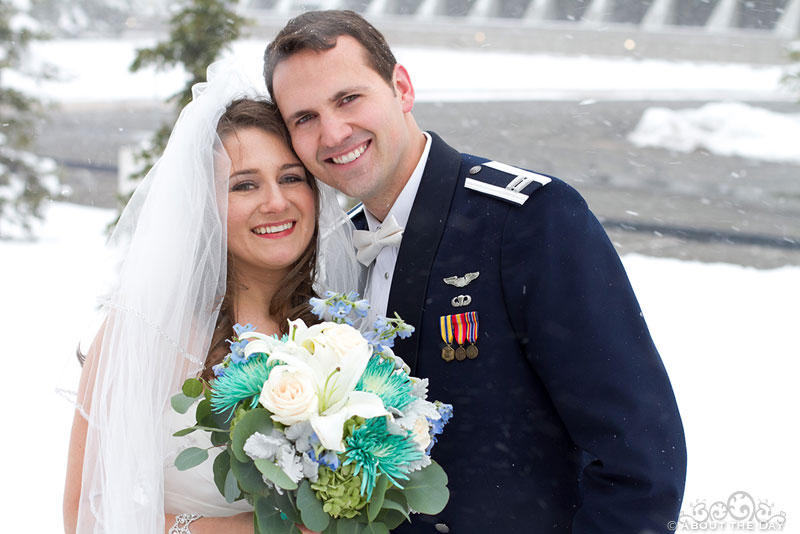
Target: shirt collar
x: 401, y: 209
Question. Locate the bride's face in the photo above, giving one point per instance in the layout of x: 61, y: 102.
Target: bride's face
x: 271, y: 210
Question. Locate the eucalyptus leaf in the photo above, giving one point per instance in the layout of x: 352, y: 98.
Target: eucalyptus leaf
x: 256, y: 420
x: 373, y: 528
x: 376, y: 503
x: 314, y: 518
x: 232, y: 490
x: 221, y: 468
x: 192, y: 388
x: 392, y: 505
x: 426, y: 490
x: 190, y: 457
x: 203, y: 413
x: 248, y: 476
x: 269, y: 518
x: 181, y: 403
x: 184, y: 431
x: 347, y: 526
x: 275, y: 474
x: 392, y: 518
x: 219, y: 438
x: 331, y: 527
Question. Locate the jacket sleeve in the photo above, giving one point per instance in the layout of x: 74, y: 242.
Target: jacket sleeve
x: 577, y: 317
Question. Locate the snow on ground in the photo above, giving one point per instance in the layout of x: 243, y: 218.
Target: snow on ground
x: 724, y: 128
x: 728, y: 336
x: 95, y: 70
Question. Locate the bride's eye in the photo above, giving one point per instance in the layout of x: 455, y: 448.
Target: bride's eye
x: 291, y: 179
x: 243, y: 186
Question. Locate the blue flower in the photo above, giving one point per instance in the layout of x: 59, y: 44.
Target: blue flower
x: 361, y: 307
x: 219, y: 370
x: 318, y: 306
x: 437, y: 425
x: 239, y: 329
x: 405, y: 330
x: 329, y: 459
x: 340, y: 309
x: 237, y: 351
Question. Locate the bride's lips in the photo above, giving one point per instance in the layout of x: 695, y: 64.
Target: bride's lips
x: 350, y: 155
x: 275, y: 230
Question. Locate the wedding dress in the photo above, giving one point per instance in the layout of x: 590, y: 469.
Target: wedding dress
x: 193, y: 491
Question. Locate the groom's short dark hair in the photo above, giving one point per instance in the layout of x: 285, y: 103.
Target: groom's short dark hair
x: 318, y: 30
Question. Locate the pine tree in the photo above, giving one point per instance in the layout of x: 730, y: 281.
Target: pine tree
x: 200, y: 30
x: 26, y: 180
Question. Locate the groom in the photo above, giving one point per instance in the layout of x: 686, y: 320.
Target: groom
x: 564, y: 417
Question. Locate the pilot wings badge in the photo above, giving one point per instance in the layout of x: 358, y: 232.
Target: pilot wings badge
x: 461, y: 281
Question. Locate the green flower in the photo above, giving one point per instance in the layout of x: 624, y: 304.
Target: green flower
x: 240, y: 383
x: 380, y: 378
x: 374, y: 450
x: 339, y: 491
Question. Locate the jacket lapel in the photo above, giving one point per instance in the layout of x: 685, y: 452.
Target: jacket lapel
x: 421, y: 237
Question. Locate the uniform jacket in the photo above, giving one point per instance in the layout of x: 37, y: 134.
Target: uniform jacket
x: 566, y: 420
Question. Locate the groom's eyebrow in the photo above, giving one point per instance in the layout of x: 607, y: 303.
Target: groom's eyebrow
x: 333, y: 99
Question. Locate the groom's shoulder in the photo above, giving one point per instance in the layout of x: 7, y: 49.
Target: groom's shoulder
x: 502, y: 181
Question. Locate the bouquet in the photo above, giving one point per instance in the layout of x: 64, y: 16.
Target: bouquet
x: 324, y: 427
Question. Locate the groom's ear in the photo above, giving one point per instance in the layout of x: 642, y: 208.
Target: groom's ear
x: 401, y: 82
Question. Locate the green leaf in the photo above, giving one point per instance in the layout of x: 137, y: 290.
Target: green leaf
x: 314, y: 518
x: 256, y: 420
x: 394, y: 511
x: 376, y: 503
x: 275, y: 474
x: 192, y: 388
x: 248, y: 476
x: 426, y: 490
x: 184, y: 432
x: 269, y: 518
x: 219, y: 438
x: 190, y: 457
x: 203, y: 414
x: 232, y: 491
x: 221, y: 468
x: 181, y: 403
x: 373, y: 528
x: 347, y: 526
x: 331, y: 527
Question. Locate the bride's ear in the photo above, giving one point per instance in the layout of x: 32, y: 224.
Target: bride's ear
x: 401, y: 82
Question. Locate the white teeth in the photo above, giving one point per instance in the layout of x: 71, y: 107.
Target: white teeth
x: 347, y: 158
x: 261, y: 230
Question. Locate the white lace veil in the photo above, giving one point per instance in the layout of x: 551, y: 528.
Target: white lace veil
x: 169, y: 251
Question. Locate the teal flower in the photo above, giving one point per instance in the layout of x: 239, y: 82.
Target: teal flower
x: 374, y: 450
x: 380, y: 378
x: 240, y: 383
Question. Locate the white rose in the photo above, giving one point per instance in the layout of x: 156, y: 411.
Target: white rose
x: 421, y: 431
x: 346, y: 342
x: 289, y: 394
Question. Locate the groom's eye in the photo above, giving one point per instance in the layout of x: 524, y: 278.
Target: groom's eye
x: 303, y: 119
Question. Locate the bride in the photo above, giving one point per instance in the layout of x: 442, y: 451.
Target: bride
x: 228, y: 227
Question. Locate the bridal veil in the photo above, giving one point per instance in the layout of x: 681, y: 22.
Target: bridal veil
x: 169, y: 258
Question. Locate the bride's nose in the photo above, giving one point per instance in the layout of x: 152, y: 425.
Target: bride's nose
x: 274, y: 200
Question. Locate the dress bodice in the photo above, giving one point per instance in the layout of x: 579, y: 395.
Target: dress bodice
x: 193, y: 490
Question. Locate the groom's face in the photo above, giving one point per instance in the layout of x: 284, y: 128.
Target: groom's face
x: 348, y: 125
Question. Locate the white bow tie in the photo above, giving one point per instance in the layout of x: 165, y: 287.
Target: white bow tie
x: 369, y: 244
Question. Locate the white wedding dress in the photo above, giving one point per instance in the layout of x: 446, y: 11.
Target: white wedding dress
x: 193, y: 491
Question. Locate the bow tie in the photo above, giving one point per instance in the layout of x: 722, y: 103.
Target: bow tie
x: 369, y: 244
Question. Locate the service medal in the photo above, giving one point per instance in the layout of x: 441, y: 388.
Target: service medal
x: 446, y: 331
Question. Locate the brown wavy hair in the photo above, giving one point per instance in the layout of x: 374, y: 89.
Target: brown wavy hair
x: 290, y: 301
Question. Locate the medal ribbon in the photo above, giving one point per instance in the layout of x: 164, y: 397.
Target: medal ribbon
x: 472, y: 326
x: 460, y: 327
x: 446, y: 328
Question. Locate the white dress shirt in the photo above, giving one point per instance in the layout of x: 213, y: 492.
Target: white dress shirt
x: 379, y: 277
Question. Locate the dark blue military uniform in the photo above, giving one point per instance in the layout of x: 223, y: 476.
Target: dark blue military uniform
x: 566, y: 420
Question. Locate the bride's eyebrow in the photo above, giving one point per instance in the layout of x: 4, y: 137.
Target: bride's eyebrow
x: 243, y: 172
x: 287, y: 166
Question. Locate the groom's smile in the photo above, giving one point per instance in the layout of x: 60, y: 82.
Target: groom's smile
x: 349, y: 125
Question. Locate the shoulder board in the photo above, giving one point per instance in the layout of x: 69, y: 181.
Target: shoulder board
x: 505, y: 182
x: 356, y: 210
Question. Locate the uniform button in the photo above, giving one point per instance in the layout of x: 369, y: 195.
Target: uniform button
x: 441, y: 527
x: 386, y: 276
x: 475, y: 170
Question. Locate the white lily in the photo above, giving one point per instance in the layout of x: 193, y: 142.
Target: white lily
x: 335, y: 357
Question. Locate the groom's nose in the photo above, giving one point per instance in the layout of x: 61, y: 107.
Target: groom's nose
x: 335, y: 130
